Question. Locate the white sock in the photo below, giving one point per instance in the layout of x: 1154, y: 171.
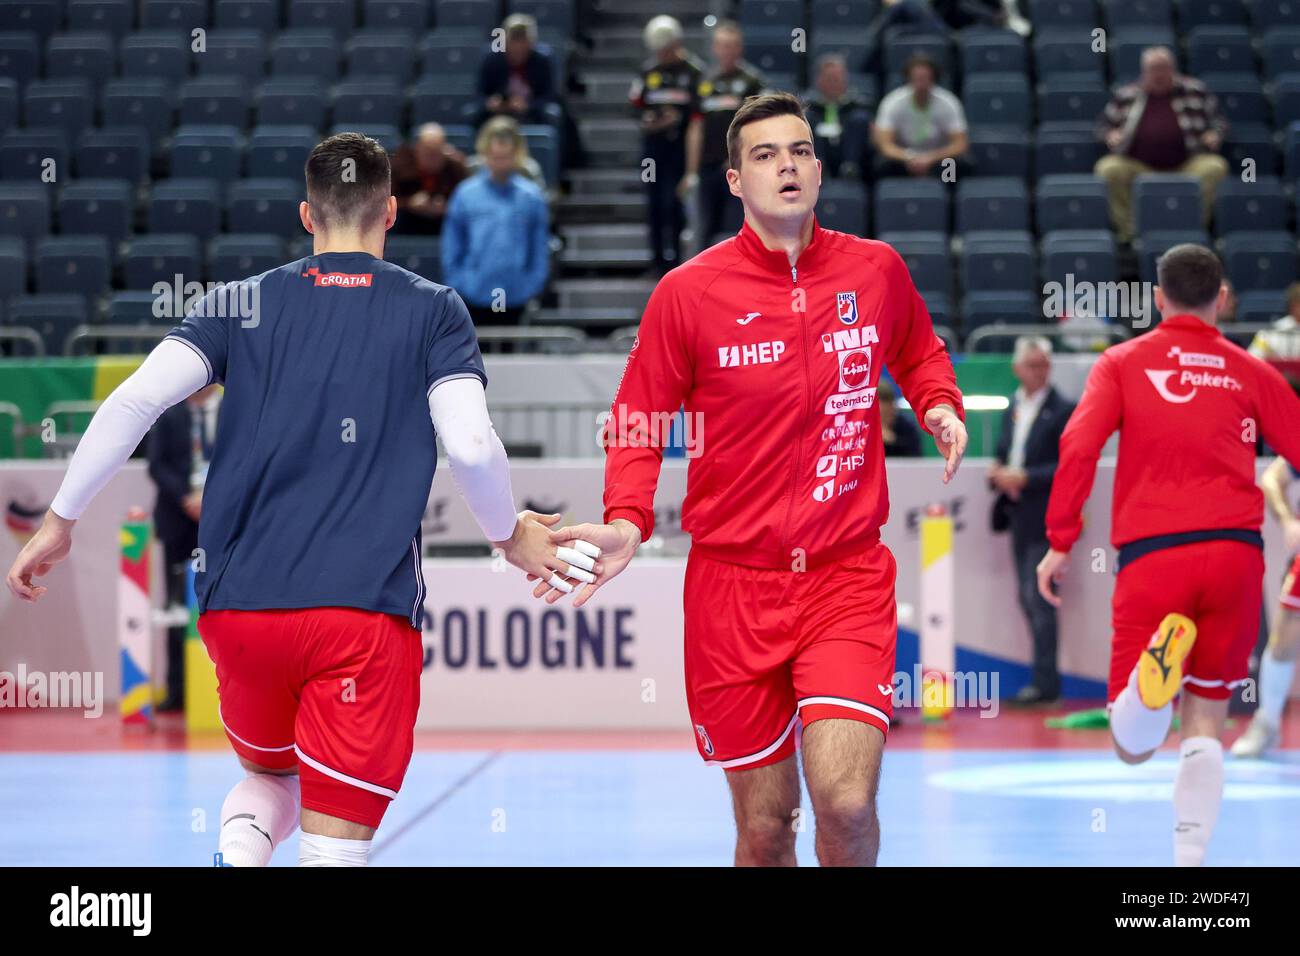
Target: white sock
x: 1135, y: 726
x: 1198, y: 791
x: 258, y: 815
x: 317, y: 850
x: 1274, y: 685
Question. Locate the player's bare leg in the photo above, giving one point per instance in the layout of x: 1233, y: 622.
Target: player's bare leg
x: 765, y: 801
x: 1276, y: 672
x: 258, y: 814
x: 1198, y: 786
x: 841, y: 762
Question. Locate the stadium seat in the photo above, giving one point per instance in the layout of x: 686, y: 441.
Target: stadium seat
x: 1292, y: 147
x: 1063, y: 13
x: 337, y: 16
x: 239, y: 255
x: 313, y: 53
x: 1072, y: 97
x: 279, y: 152
x: 465, y: 16
x: 844, y: 14
x: 265, y: 205
x: 1086, y: 254
x: 20, y: 57
x: 993, y: 204
x: 1120, y: 14
x: 42, y: 17
x: 1071, y: 201
x: 544, y: 146
x: 89, y: 56
x: 54, y: 317
x: 163, y: 55
x: 554, y: 17
x: 1286, y: 99
x: 234, y: 53
x: 1260, y: 260
x: 214, y: 101
x: 898, y: 49
x: 65, y: 104
x: 260, y: 15
x: 290, y: 101
x: 183, y: 15
x: 1219, y: 49
x: 148, y: 103
x: 983, y: 308
x: 854, y: 47
x: 8, y: 103
x: 206, y: 152
x: 114, y: 17
x: 1279, y: 50
x: 13, y: 267
x: 1152, y: 245
x: 1254, y: 142
x: 1125, y: 50
x: 842, y: 205
x: 1165, y: 202
x: 418, y: 254
x: 408, y: 16
x: 1069, y: 51
x: 73, y: 264
x: 998, y: 262
x: 1000, y: 150
x: 186, y: 205
x: 992, y: 51
x: 1261, y: 305
x: 368, y: 101
x: 1197, y: 13
x: 24, y: 153
x: 777, y: 14
x: 998, y: 99
x: 443, y: 56
x: 131, y: 308
x: 1241, y: 96
x: 913, y: 204
x: 117, y: 152
x: 374, y: 54
x: 1267, y: 14
x: 160, y: 257
x: 927, y: 257
x: 435, y: 99
x: 770, y: 49
x: 103, y: 207
x: 24, y: 210
x: 1246, y: 207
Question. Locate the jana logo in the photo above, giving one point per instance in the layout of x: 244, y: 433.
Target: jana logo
x: 1160, y: 379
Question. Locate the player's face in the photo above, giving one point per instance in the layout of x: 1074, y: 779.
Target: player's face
x: 779, y: 176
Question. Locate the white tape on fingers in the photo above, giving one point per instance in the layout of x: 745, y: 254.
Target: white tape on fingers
x: 575, y: 558
x: 587, y: 548
x: 561, y: 585
x: 586, y: 577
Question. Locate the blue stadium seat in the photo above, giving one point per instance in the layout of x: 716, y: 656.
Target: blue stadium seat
x: 1120, y: 14
x: 1125, y: 50
x: 1151, y: 246
x: 1087, y: 254
x: 206, y: 152
x: 234, y: 53
x: 1166, y: 202
x: 1292, y: 147
x: 164, y: 55
x: 438, y: 100
x: 1279, y: 49
x: 992, y: 51
x: 24, y: 153
x: 1196, y: 13
x: 1066, y: 148
x: 280, y: 152
x: 465, y: 16
x: 997, y: 99
x: 184, y: 15
x: 114, y: 152
x: 114, y: 17
x: 1241, y: 96
x: 54, y: 317
x: 90, y: 56
x: 81, y: 265
x: 130, y: 308
x: 42, y: 17
x: 1261, y: 305
x: 20, y: 56
x: 265, y: 205
x: 769, y: 49
x: 992, y: 204
x: 1286, y: 99
x: 1071, y: 201
x: 554, y: 17
x: 913, y: 204
x: 939, y: 307
x: 998, y: 262
x: 1000, y: 150
x: 1078, y: 97
x: 214, y: 100
x: 544, y: 146
x: 853, y: 47
x: 1267, y: 14
x: 1253, y: 141
x: 240, y: 255
x: 983, y: 308
x: 102, y: 207
x: 1260, y: 260
x: 842, y: 206
x: 312, y: 53
x: 160, y: 257
x: 373, y: 54
x: 449, y: 56
x: 8, y: 103
x: 260, y: 15
x: 148, y: 103
x: 927, y: 257
x: 186, y: 205
x: 850, y: 14
x: 777, y: 14
x: 337, y: 16
x: 65, y: 104
x: 13, y: 268
x: 1063, y: 13
x: 418, y: 254
x: 360, y: 102
x: 1220, y: 49
x: 408, y: 16
x: 897, y: 49
x: 1067, y: 51
x: 290, y: 101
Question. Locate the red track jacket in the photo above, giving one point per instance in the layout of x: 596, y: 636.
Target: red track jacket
x: 1189, y: 406
x: 777, y: 367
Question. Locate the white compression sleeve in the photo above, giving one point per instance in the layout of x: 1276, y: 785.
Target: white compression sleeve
x: 477, y: 457
x: 170, y: 373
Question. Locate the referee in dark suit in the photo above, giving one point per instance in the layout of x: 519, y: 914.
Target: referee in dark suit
x: 179, y: 447
x: 1027, y: 452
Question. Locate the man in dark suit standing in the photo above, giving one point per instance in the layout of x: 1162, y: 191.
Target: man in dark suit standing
x: 179, y: 448
x: 1027, y: 453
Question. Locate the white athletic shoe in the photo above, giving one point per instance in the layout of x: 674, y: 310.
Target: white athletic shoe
x: 1259, y: 738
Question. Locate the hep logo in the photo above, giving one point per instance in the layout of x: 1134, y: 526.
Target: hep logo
x: 339, y: 280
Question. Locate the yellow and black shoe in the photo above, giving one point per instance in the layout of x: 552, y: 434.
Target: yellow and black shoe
x: 1160, y: 668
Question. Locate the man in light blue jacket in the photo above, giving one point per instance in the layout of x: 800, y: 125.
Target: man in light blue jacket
x: 495, y: 237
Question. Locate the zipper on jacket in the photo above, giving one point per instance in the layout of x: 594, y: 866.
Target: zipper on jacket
x: 807, y: 381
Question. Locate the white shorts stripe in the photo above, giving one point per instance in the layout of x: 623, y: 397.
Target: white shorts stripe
x: 754, y: 758
x: 269, y: 750
x: 331, y: 772
x: 845, y: 702
x: 1289, y: 601
x: 1201, y: 682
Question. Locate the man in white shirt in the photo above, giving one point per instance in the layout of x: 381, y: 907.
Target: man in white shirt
x: 920, y: 124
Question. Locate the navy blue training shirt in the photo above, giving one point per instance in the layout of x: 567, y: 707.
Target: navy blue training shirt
x: 325, y: 449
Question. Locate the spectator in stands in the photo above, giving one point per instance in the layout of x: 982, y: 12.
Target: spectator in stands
x: 899, y: 432
x: 840, y: 120
x: 520, y: 82
x: 1282, y: 341
x: 496, y: 240
x: 1026, y: 457
x: 665, y: 97
x: 425, y: 172
x: 920, y: 124
x: 720, y: 93
x: 179, y: 448
x: 1163, y: 123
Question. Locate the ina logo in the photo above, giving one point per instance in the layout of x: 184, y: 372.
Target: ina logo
x: 704, y: 739
x: 846, y: 306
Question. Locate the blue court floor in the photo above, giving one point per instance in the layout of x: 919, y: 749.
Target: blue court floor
x: 656, y: 808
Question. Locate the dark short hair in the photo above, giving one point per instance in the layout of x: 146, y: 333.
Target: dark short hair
x: 351, y: 193
x: 1189, y: 275
x: 921, y: 59
x: 761, y: 107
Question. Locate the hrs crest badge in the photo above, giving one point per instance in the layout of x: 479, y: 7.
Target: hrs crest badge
x: 846, y: 305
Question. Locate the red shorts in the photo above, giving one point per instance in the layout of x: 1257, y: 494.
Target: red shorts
x: 1291, y: 587
x: 766, y: 647
x: 333, y: 691
x: 1218, y: 584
